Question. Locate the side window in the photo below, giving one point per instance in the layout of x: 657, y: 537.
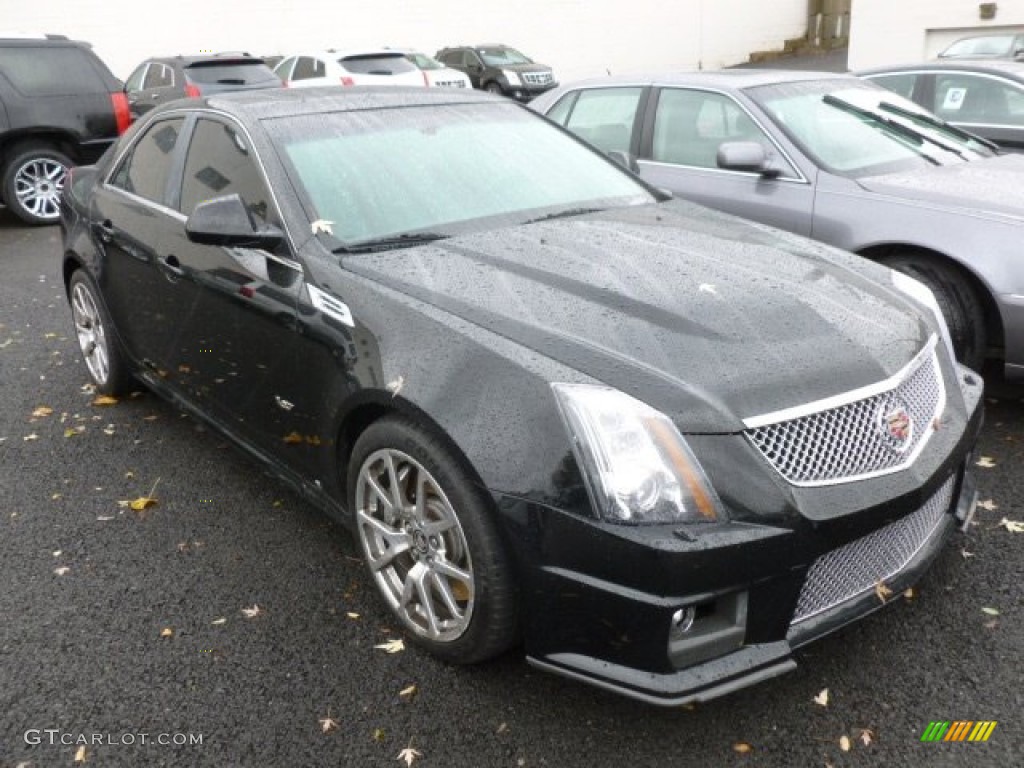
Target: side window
x: 306, y: 68
x: 220, y: 163
x: 689, y: 126
x: 134, y: 82
x: 469, y: 59
x: 159, y: 76
x: 604, y: 117
x: 145, y: 168
x: 563, y: 106
x: 284, y: 69
x: 903, y: 84
x: 962, y: 98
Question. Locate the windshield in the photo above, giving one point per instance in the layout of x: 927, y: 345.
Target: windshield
x: 423, y: 61
x: 994, y: 45
x: 442, y: 169
x: 502, y: 57
x: 858, y: 129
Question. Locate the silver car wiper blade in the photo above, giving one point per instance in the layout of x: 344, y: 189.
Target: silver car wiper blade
x: 567, y: 213
x: 404, y: 240
x: 906, y: 130
x: 941, y: 124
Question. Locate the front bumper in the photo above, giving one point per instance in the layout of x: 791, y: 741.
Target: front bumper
x: 527, y: 92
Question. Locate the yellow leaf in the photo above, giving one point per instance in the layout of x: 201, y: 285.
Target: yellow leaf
x: 352, y: 615
x: 104, y: 400
x: 141, y: 503
x: 378, y: 734
x: 822, y: 698
x: 72, y: 431
x: 986, y: 462
x: 80, y: 754
x: 909, y: 593
x: 845, y: 743
x: 407, y: 693
x: 41, y: 411
x: 882, y: 592
x: 292, y: 438
x: 166, y: 632
x: 742, y: 747
x: 392, y: 646
x: 990, y: 611
x: 312, y: 439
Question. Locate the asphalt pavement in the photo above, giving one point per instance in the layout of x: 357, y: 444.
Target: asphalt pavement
x: 234, y: 614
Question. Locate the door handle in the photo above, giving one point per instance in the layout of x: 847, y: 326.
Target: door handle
x: 172, y: 265
x: 105, y: 230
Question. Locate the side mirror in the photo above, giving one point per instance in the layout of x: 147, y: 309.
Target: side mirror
x: 747, y: 156
x: 626, y: 159
x: 226, y: 221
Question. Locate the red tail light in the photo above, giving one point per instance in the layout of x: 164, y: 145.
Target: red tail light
x: 122, y: 113
x: 192, y: 91
x: 347, y: 81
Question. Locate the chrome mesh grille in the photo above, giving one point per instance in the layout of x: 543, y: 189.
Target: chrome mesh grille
x: 852, y: 441
x: 856, y: 568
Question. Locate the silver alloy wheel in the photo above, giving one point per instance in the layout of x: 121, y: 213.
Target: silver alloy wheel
x: 37, y: 186
x: 414, y: 545
x: 92, y: 337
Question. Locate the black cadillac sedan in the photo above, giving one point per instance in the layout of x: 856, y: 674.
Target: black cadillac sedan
x: 656, y: 445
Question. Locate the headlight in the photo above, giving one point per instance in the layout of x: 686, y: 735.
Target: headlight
x: 922, y: 294
x: 638, y: 467
x: 512, y: 77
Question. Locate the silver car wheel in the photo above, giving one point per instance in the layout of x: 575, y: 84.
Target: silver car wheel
x: 38, y: 184
x: 92, y: 337
x: 414, y: 545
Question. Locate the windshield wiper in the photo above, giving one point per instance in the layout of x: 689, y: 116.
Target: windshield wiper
x: 897, y: 126
x: 960, y: 133
x: 567, y: 213
x: 404, y: 240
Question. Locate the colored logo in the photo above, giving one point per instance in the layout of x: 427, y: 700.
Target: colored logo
x: 959, y: 730
x: 896, y: 425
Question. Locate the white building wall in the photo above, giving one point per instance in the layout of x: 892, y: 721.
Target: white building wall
x: 906, y: 31
x: 578, y: 38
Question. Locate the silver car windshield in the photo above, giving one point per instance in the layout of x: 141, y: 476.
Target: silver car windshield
x: 437, y: 170
x: 855, y: 130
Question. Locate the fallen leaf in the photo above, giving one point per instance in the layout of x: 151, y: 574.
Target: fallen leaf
x: 33, y: 436
x: 252, y: 613
x: 104, y: 400
x: 151, y: 417
x: 1013, y: 526
x: 502, y: 728
x: 985, y: 462
x: 292, y: 438
x: 218, y: 622
x: 166, y: 632
x: 352, y: 615
x: 992, y: 624
x: 105, y: 518
x: 866, y: 736
x: 328, y: 724
x: 394, y: 387
x: 882, y: 592
x: 909, y: 594
x: 392, y: 646
x: 822, y: 698
x: 378, y: 734
x: 58, y: 552
x: 62, y: 570
x: 409, y: 755
x: 72, y: 431
x: 845, y: 743
x: 80, y: 754
x: 965, y: 554
x: 407, y: 693
x: 41, y: 411
x: 742, y: 747
x: 322, y: 225
x: 988, y: 504
x: 141, y: 503
x: 990, y: 611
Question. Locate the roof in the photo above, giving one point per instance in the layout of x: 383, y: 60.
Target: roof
x: 284, y: 102
x: 1008, y: 67
x: 726, y: 79
x: 341, y: 53
x: 223, y: 58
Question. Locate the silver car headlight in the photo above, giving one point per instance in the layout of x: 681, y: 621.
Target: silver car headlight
x: 512, y: 77
x: 922, y: 294
x: 637, y: 466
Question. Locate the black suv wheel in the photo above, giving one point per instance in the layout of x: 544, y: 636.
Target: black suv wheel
x: 32, y: 182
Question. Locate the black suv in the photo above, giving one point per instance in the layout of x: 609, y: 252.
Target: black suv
x: 500, y: 69
x: 159, y: 80
x: 59, y: 106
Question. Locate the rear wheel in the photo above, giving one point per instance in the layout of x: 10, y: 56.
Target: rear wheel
x: 430, y: 542
x: 957, y: 300
x: 32, y: 182
x: 100, y: 350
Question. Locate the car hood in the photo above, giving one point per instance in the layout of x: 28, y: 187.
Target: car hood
x: 699, y: 314
x: 992, y: 187
x: 533, y: 67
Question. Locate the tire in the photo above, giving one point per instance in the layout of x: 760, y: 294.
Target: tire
x: 957, y: 300
x: 438, y: 564
x: 96, y: 339
x: 32, y: 182
x: 495, y: 88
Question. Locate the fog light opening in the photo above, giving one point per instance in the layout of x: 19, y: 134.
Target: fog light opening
x: 682, y: 621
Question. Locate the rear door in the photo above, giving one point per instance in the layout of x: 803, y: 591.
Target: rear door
x: 159, y: 85
x: 683, y: 130
x: 309, y: 72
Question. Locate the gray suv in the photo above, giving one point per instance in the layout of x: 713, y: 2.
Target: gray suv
x: 500, y: 69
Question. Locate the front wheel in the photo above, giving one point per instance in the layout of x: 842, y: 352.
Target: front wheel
x: 494, y: 88
x: 430, y: 542
x: 100, y: 350
x: 32, y: 183
x: 958, y: 302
